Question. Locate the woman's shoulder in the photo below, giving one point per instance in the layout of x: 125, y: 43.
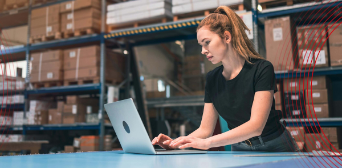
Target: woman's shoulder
x: 214, y: 73
x: 261, y: 63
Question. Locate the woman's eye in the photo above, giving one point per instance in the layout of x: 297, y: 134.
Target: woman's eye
x: 207, y: 43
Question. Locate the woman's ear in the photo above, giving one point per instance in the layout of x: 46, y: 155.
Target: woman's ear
x: 227, y: 37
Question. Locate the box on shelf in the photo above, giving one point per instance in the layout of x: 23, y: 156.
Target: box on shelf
x: 89, y: 143
x: 335, y: 44
x: 297, y: 133
x: 45, y: 21
x: 294, y: 98
x: 318, y: 96
x: 92, y: 118
x: 156, y: 94
x: 311, y: 47
x: 6, y: 120
x: 278, y: 32
x: 78, y: 100
x: 295, y: 111
x: 69, y: 149
x: 55, y: 116
x: 316, y: 82
x: 36, y: 105
x: 317, y: 110
x: 79, y: 4
x: 316, y: 141
x: 18, y: 118
x: 73, y: 118
x: 15, y: 36
x: 332, y: 133
x: 38, y: 117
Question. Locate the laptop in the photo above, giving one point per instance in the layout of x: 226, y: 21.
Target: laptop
x: 131, y: 132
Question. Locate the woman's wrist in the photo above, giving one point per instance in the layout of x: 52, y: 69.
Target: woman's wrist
x: 209, y: 142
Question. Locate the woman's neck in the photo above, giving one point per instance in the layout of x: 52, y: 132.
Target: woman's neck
x: 232, y: 65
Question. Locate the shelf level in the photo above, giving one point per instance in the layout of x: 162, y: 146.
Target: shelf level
x: 65, y: 89
x: 316, y: 72
x: 324, y: 122
x: 12, y: 106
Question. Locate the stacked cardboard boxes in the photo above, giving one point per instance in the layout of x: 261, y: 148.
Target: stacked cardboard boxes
x: 193, y: 70
x: 331, y: 133
x: 11, y: 83
x: 187, y: 6
x: 80, y: 15
x: 15, y: 36
x: 84, y: 63
x: 55, y: 115
x: 298, y: 134
x: 335, y: 44
x: 280, y: 43
x: 317, y: 97
x: 312, y: 47
x: 47, y: 66
x: 6, y: 120
x: 75, y: 109
x: 317, y: 142
x: 38, y: 113
x: 89, y: 143
x: 294, y: 98
x: 45, y: 21
x: 18, y: 118
x: 140, y: 10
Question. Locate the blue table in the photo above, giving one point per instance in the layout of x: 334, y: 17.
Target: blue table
x: 118, y: 159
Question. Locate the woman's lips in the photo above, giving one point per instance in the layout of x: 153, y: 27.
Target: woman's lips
x: 209, y: 58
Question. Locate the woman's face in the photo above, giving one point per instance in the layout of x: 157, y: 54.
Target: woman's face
x: 213, y: 46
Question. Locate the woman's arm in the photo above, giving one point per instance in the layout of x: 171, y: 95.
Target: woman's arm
x: 208, y: 122
x: 259, y: 114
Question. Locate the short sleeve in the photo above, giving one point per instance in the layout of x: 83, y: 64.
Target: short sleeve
x: 207, y: 97
x: 265, y: 78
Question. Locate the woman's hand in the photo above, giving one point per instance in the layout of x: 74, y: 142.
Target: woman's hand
x: 163, y: 141
x: 193, y: 142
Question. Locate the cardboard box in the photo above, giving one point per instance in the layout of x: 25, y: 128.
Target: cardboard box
x: 44, y: 30
x: 317, y: 82
x: 320, y: 110
x: 37, y: 105
x: 15, y: 35
x: 297, y: 133
x: 335, y: 44
x: 85, y: 101
x: 89, y: 143
x: 156, y: 94
x: 47, y: 66
x: 55, y: 117
x: 54, y: 75
x: 70, y: 64
x: 293, y: 84
x: 45, y: 21
x: 75, y: 109
x: 86, y: 73
x: 317, y: 96
x: 80, y: 14
x: 295, y: 111
x: 79, y: 4
x: 84, y: 52
x: 334, y: 145
x: 316, y: 142
x: 42, y: 12
x: 279, y: 31
x: 294, y: 98
x: 81, y: 24
x: 331, y: 132
x: 60, y: 106
x: 69, y: 149
x: 311, y: 47
x: 53, y: 55
x: 73, y: 118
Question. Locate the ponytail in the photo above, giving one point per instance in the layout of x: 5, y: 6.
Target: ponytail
x: 225, y: 19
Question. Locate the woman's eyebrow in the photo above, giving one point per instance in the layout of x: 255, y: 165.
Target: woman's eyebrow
x: 203, y: 39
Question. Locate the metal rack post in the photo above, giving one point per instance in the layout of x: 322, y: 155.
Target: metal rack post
x: 102, y: 76
x: 255, y: 24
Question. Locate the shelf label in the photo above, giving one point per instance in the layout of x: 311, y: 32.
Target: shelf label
x: 318, y: 109
x: 18, y: 128
x: 316, y: 95
x: 294, y: 133
x: 72, y: 54
x: 70, y: 16
x: 294, y: 97
x: 89, y: 109
x: 74, y: 109
x: 48, y: 29
x: 69, y: 26
x: 307, y: 57
x: 320, y: 57
x: 68, y: 6
x: 278, y: 34
x: 314, y: 83
x: 318, y: 145
x: 296, y: 112
x: 293, y: 84
x: 49, y: 75
x: 50, y: 117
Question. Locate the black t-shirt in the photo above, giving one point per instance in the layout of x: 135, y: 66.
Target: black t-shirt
x: 233, y: 99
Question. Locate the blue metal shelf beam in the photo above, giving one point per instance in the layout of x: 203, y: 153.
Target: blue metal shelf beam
x: 317, y: 72
x: 81, y: 126
x: 63, y: 89
x: 296, y: 9
x: 12, y: 106
x: 324, y: 122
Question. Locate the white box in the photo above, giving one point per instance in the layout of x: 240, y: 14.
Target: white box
x: 18, y: 99
x: 15, y: 138
x: 128, y: 4
x: 138, y: 16
x: 141, y: 8
x: 36, y: 105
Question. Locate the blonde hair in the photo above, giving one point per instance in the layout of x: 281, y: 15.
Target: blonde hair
x: 225, y: 19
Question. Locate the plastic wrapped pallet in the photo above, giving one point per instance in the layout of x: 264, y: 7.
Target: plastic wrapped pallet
x: 121, y: 13
x: 18, y: 118
x: 181, y: 7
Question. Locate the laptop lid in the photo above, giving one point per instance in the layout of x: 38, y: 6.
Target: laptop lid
x: 128, y: 127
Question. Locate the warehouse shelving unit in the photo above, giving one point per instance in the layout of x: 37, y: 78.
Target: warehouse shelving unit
x: 146, y: 35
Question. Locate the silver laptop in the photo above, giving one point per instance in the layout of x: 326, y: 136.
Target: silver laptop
x: 131, y: 131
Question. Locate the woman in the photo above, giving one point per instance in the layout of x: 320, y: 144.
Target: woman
x: 240, y: 90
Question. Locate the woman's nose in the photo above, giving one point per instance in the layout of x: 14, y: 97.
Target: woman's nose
x: 204, y: 51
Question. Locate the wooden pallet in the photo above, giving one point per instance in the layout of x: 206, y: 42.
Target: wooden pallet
x: 14, y: 6
x: 47, y: 84
x: 80, y: 32
x: 202, y: 13
x: 265, y: 4
x: 35, y: 2
x: 48, y: 37
x: 138, y: 23
x: 82, y: 81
